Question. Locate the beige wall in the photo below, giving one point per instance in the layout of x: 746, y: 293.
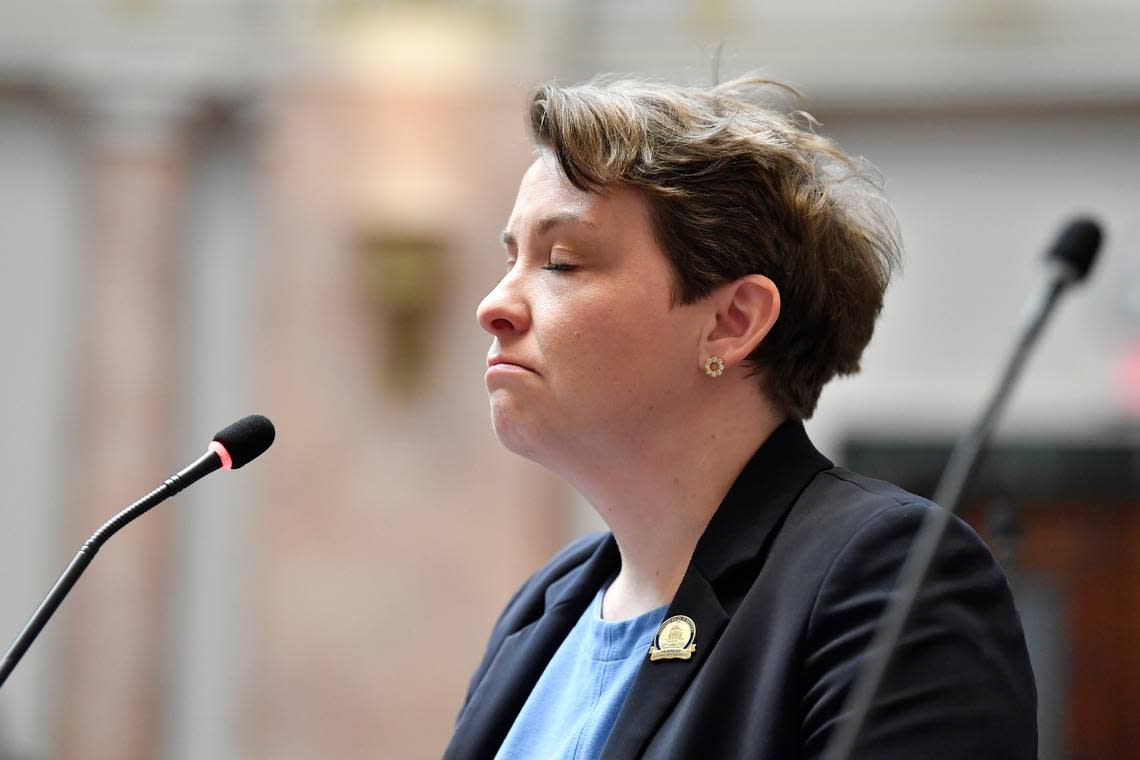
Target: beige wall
x: 332, y: 599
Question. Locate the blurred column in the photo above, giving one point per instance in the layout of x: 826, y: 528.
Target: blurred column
x: 39, y: 279
x: 114, y: 624
x: 221, y: 246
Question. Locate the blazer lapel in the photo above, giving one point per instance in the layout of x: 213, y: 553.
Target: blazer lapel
x: 736, y: 538
x: 660, y: 684
x: 524, y: 655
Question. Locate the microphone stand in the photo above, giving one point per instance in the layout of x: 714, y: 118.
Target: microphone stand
x: 964, y: 461
x: 206, y: 464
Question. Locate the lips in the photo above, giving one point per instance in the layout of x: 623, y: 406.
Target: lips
x: 498, y: 360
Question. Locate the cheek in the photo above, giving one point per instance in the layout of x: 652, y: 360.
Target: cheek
x: 613, y: 347
x: 594, y: 337
x: 568, y: 327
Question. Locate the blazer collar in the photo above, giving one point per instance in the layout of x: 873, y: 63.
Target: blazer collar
x: 579, y: 586
x: 758, y: 500
x: 740, y: 531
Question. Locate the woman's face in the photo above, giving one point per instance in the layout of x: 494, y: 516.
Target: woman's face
x: 587, y: 354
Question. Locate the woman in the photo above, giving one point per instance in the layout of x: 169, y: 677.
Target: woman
x: 686, y: 269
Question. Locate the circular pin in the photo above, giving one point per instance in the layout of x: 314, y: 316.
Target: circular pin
x: 676, y: 639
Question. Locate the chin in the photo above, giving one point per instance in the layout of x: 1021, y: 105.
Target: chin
x: 514, y: 429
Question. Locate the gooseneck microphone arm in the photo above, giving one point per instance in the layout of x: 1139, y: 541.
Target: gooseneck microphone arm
x: 206, y: 464
x: 1072, y: 256
x: 232, y: 447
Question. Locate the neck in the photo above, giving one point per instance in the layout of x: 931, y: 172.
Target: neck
x: 658, y: 497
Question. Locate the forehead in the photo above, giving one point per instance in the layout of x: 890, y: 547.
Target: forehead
x: 545, y: 194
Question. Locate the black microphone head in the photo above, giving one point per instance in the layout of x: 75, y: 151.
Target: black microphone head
x: 1076, y: 248
x: 246, y: 439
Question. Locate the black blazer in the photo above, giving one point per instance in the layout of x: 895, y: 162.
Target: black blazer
x: 786, y: 586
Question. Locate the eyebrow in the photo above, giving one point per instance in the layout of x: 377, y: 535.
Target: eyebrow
x: 547, y: 223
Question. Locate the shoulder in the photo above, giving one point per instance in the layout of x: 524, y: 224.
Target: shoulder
x: 840, y: 512
x: 849, y: 500
x: 858, y: 530
x: 964, y: 635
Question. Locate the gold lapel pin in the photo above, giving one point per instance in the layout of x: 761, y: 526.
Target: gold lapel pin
x: 676, y: 639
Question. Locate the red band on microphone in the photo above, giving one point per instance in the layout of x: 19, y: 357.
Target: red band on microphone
x: 220, y: 450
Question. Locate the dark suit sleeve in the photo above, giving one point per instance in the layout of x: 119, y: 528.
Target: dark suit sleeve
x: 960, y: 685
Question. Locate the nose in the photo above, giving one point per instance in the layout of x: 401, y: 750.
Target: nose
x: 503, y: 311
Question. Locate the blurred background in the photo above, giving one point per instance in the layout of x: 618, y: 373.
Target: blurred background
x: 215, y: 207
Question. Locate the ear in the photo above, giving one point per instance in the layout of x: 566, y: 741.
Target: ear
x: 745, y: 310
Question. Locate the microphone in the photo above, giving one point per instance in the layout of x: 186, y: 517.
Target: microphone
x: 233, y: 446
x: 1069, y: 260
x: 1075, y: 250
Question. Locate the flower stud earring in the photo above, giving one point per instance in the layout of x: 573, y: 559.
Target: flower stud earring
x: 714, y: 366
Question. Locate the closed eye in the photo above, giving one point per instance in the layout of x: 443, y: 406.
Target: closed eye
x: 559, y: 267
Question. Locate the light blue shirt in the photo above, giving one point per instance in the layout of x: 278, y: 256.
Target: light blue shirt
x: 572, y: 709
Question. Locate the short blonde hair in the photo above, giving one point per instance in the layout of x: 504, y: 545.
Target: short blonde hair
x: 738, y: 187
